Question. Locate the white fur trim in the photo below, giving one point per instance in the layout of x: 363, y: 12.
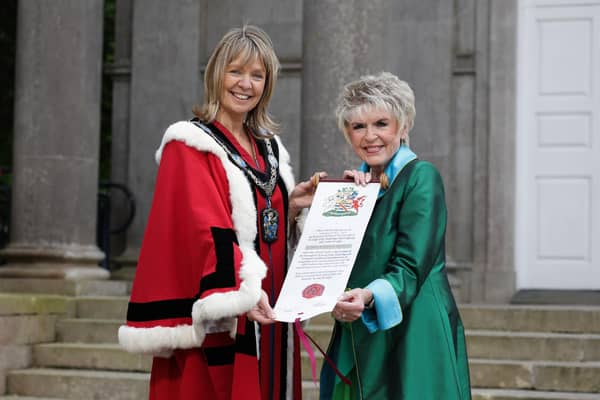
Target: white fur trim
x: 285, y: 168
x: 160, y: 340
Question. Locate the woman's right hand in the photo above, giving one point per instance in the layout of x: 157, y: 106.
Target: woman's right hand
x: 302, y: 195
x: 262, y: 311
x: 360, y: 178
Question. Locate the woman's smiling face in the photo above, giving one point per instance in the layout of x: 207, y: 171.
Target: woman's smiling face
x: 375, y: 137
x: 243, y: 86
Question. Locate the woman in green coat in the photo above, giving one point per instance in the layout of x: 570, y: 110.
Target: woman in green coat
x: 398, y: 333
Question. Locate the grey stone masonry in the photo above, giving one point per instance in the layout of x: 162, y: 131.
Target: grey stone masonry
x: 56, y: 141
x: 338, y: 46
x: 26, y: 320
x: 165, y: 84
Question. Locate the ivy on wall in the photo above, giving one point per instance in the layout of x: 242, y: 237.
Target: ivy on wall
x: 8, y: 38
x: 8, y: 35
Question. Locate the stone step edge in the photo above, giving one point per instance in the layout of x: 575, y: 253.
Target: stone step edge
x: 317, y: 329
x: 101, y: 374
x: 531, y: 334
x: 17, y: 397
x: 533, y: 394
x: 535, y: 363
x: 81, y: 345
x: 466, y: 306
x: 319, y: 356
x: 506, y: 393
x: 93, y: 320
x: 541, y: 307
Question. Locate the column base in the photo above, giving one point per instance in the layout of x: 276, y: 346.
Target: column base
x: 58, y: 262
x: 128, y: 262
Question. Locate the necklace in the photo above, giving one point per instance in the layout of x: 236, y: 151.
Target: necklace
x: 265, y: 182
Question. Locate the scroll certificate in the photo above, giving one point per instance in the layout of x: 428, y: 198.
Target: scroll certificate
x: 327, y: 249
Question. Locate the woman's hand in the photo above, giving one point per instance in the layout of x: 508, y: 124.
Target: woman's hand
x: 262, y: 311
x: 351, y: 304
x: 302, y: 195
x: 360, y: 178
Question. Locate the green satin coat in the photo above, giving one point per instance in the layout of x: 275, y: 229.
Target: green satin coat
x: 424, y: 357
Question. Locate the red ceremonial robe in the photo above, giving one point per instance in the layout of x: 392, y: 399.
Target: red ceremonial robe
x: 202, y: 266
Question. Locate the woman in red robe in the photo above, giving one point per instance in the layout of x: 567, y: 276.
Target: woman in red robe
x: 214, y: 254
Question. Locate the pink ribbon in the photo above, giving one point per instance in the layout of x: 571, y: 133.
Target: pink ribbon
x: 304, y: 339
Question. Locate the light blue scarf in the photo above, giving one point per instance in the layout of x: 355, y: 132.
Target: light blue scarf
x: 403, y: 156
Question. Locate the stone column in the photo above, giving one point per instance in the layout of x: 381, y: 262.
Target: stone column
x: 500, y: 276
x: 165, y: 83
x: 341, y: 42
x: 56, y: 146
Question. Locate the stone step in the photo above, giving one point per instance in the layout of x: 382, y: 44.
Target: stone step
x: 511, y: 345
x: 88, y: 330
x: 11, y: 397
x: 504, y: 374
x: 533, y: 346
x: 102, y: 307
x: 536, y: 375
x: 481, y: 344
x: 531, y: 318
x: 27, y: 329
x: 88, y: 385
x: 89, y: 356
x: 502, y: 394
x: 31, y: 303
x: 560, y: 319
x: 311, y: 392
x: 65, y: 287
x: 78, y: 384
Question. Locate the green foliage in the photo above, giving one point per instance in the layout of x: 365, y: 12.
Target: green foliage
x: 108, y: 57
x: 8, y: 37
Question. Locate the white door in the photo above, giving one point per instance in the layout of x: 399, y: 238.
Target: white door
x: 557, y: 240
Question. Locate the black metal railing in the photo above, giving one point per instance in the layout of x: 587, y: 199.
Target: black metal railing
x: 4, y: 207
x: 105, y: 225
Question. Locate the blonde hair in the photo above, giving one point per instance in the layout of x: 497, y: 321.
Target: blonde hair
x: 382, y: 92
x: 250, y: 43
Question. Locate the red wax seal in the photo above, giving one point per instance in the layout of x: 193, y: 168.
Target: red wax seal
x: 314, y: 290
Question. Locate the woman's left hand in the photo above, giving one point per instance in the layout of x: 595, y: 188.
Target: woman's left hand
x: 360, y: 178
x: 351, y: 304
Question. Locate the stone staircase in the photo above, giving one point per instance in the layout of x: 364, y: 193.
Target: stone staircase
x: 517, y: 352
x: 85, y: 362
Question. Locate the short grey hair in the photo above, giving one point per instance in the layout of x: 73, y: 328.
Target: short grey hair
x: 383, y: 91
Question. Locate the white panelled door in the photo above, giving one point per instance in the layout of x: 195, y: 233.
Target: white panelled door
x: 558, y: 145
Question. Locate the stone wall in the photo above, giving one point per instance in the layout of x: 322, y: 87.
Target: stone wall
x: 459, y: 56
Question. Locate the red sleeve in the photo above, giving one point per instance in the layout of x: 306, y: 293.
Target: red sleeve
x: 190, y: 249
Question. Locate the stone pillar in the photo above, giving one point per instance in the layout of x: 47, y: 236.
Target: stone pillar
x: 56, y: 141
x: 165, y: 83
x: 341, y: 42
x: 500, y: 276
